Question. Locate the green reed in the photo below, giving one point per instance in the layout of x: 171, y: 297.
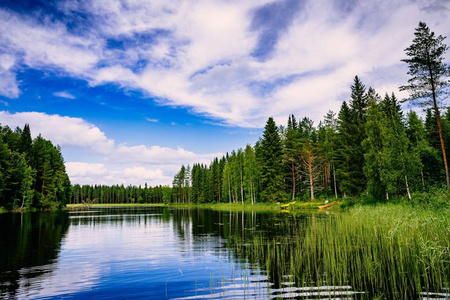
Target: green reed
x: 387, y: 251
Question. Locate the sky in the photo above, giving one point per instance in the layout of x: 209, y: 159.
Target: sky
x: 133, y: 89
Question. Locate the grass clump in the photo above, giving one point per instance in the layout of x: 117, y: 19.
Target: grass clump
x: 390, y: 251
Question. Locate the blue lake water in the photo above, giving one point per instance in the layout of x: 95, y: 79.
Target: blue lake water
x: 163, y: 253
x: 116, y: 253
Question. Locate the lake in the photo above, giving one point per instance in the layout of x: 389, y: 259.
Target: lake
x: 166, y: 253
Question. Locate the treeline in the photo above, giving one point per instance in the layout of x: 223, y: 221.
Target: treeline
x: 32, y: 172
x: 369, y: 148
x: 120, y: 194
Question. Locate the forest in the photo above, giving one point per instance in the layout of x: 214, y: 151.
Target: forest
x: 103, y: 194
x: 370, y: 149
x: 33, y: 174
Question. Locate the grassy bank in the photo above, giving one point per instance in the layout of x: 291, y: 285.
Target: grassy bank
x: 230, y: 206
x: 79, y: 206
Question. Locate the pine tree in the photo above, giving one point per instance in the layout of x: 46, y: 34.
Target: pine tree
x: 429, y: 76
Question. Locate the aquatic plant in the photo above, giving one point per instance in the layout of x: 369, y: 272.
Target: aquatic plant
x: 387, y: 251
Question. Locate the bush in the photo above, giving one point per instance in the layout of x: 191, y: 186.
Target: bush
x: 436, y: 198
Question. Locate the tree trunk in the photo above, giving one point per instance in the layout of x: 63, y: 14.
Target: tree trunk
x: 444, y: 155
x: 229, y: 189
x: 335, y: 184
x: 438, y: 120
x: 407, y: 188
x: 311, y: 178
x: 293, y: 179
x: 242, y: 187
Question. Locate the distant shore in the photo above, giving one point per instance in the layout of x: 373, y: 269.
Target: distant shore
x: 215, y: 206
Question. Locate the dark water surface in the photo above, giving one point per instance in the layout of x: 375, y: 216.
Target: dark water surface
x: 153, y: 253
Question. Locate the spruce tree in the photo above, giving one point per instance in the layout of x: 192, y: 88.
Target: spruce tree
x: 291, y: 156
x: 356, y: 135
x: 25, y: 140
x: 271, y: 154
x: 373, y: 146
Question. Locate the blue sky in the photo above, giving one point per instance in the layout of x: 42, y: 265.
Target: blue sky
x: 133, y: 89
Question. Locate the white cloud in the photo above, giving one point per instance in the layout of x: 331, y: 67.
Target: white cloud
x: 9, y: 86
x: 64, y: 131
x: 64, y: 94
x: 80, y: 169
x: 152, y: 120
x: 117, y: 163
x: 202, y: 57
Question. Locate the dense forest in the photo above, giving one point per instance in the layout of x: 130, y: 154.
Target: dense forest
x: 371, y: 148
x: 32, y: 171
x: 120, y: 194
x: 33, y: 175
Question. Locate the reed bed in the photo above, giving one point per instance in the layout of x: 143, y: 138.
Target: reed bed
x: 386, y: 251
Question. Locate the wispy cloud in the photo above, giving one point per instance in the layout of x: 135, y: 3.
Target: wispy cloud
x: 228, y: 67
x: 9, y: 87
x: 152, y: 120
x: 64, y: 94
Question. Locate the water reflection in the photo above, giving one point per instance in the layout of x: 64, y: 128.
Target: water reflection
x: 158, y: 253
x: 29, y: 245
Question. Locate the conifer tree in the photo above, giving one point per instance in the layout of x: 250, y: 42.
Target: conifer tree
x: 271, y: 163
x: 401, y: 165
x: 291, y: 155
x: 429, y: 76
x: 25, y: 140
x: 373, y: 146
x: 347, y: 175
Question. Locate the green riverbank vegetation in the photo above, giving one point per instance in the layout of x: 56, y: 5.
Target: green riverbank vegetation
x: 370, y: 149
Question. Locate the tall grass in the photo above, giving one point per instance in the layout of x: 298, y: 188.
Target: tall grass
x: 386, y: 251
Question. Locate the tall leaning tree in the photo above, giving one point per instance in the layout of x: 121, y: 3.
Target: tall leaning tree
x: 429, y: 75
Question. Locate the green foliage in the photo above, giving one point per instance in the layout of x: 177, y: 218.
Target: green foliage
x: 32, y: 172
x: 120, y: 194
x: 271, y: 154
x: 373, y: 156
x: 369, y: 152
x: 429, y: 78
x: 436, y: 198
